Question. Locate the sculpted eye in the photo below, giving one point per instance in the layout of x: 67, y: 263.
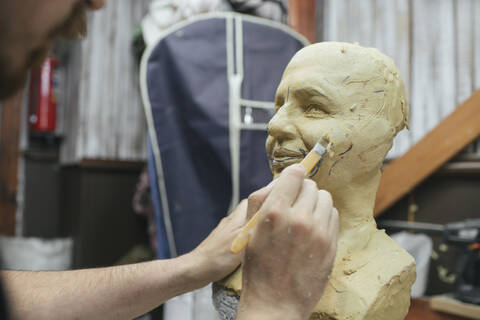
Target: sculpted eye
x: 315, y: 110
x: 278, y: 104
x: 279, y: 101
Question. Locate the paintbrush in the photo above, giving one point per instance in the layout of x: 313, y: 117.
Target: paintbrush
x: 314, y: 157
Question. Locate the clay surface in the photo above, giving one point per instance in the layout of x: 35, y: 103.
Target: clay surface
x: 354, y: 100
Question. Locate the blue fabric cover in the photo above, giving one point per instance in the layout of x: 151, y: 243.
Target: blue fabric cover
x: 188, y: 91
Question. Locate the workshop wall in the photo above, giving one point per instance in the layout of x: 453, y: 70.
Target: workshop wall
x: 434, y: 44
x: 104, y: 117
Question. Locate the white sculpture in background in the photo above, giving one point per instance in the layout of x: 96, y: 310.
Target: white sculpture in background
x: 164, y: 13
x: 354, y: 99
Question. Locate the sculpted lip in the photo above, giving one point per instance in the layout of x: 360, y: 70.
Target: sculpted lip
x: 279, y: 164
x: 283, y: 157
x: 284, y: 153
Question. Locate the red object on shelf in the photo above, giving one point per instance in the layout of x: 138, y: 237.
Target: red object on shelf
x: 42, y: 115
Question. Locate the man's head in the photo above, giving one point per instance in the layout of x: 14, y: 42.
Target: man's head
x: 343, y: 94
x: 28, y: 29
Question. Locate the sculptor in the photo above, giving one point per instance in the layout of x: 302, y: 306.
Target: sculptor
x: 353, y: 100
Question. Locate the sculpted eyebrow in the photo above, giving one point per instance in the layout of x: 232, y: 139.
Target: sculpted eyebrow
x: 307, y: 92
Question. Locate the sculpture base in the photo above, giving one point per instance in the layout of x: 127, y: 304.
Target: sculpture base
x: 369, y: 284
x: 225, y: 302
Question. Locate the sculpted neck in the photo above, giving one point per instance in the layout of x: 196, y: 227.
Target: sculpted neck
x: 355, y: 201
x: 355, y: 204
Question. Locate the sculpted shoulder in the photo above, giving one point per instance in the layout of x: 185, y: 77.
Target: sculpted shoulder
x: 373, y: 283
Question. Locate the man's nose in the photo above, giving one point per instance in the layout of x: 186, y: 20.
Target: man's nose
x: 95, y: 4
x: 281, y: 125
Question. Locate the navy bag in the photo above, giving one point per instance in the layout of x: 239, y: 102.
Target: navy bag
x: 208, y: 86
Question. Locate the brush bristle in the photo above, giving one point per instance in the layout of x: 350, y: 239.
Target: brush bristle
x: 318, y: 148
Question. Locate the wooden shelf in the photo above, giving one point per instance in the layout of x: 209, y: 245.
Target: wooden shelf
x: 420, y: 310
x: 440, y: 145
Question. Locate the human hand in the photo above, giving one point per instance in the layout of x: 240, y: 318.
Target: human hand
x: 291, y: 252
x: 213, y: 256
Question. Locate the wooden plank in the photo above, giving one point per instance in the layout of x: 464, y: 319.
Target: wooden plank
x: 453, y: 134
x: 445, y: 68
x: 464, y: 49
x: 381, y: 24
x: 361, y: 22
x: 476, y: 44
x: 464, y: 54
x: 433, y: 64
x: 9, y: 158
x: 476, y: 53
x: 422, y: 90
x: 392, y: 37
x: 302, y: 17
x: 350, y: 21
x: 133, y: 121
x: 106, y: 120
x: 331, y: 28
x: 420, y: 310
x: 455, y: 307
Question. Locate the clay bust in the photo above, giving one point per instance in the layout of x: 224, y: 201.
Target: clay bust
x: 353, y: 99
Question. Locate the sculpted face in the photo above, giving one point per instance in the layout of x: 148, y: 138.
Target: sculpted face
x: 352, y: 100
x: 339, y: 94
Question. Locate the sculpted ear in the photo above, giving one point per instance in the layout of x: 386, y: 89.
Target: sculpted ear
x: 399, y: 113
x: 406, y: 114
x: 404, y: 108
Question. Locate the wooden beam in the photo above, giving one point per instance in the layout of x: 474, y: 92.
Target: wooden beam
x: 451, y: 136
x: 9, y: 156
x: 302, y: 16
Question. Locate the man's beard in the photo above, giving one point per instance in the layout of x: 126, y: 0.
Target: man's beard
x: 75, y: 26
x: 9, y: 84
x: 12, y: 77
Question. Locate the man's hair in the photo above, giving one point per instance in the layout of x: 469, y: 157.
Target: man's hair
x: 75, y: 26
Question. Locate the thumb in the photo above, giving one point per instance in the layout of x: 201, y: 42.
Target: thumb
x: 238, y: 215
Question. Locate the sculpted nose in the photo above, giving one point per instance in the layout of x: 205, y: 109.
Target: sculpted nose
x: 281, y: 126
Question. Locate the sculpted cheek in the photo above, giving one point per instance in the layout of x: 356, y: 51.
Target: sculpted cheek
x: 376, y: 144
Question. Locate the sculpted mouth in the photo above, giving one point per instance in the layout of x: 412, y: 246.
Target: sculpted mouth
x: 278, y: 164
x: 283, y: 157
x: 284, y: 152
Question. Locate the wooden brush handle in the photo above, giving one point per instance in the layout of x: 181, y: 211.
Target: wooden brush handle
x: 241, y: 240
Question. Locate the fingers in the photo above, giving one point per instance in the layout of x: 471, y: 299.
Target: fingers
x: 324, y: 206
x: 307, y: 199
x: 333, y: 226
x: 287, y: 187
x: 256, y: 199
x: 326, y: 215
x: 332, y: 234
x: 326, y: 218
x: 239, y: 215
